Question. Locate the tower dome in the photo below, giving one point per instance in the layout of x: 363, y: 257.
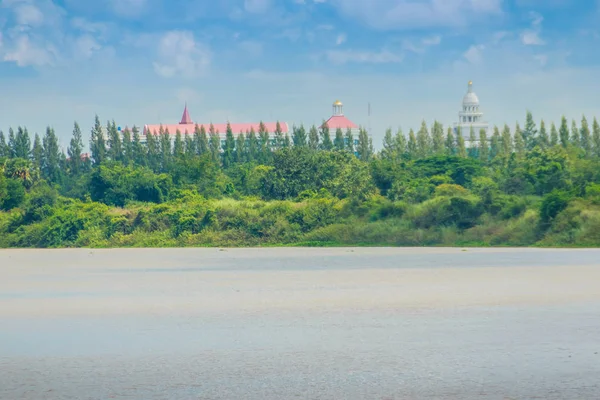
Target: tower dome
x: 470, y: 98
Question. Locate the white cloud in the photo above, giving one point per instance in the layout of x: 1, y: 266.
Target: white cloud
x: 341, y: 38
x: 251, y: 47
x: 39, y: 36
x: 25, y: 53
x: 406, y: 14
x: 531, y: 37
x: 474, y: 54
x: 256, y: 6
x: 128, y: 8
x: 180, y: 54
x: 28, y: 14
x: 422, y: 44
x: 351, y: 56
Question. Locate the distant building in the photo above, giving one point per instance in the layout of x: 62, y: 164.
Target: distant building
x: 471, y: 117
x: 339, y: 120
x: 187, y: 126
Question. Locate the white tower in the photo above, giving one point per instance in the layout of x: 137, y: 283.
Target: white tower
x: 338, y: 108
x: 471, y: 117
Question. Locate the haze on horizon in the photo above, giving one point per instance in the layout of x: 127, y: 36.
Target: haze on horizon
x: 139, y: 61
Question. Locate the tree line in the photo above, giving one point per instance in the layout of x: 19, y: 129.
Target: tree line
x: 309, y: 184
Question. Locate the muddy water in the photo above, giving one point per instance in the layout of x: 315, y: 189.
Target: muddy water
x: 300, y: 324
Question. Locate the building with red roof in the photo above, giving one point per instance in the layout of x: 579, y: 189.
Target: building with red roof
x: 187, y: 126
x: 339, y: 121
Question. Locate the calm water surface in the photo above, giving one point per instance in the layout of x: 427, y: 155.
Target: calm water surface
x: 284, y: 324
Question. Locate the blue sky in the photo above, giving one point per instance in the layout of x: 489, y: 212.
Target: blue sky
x: 138, y: 61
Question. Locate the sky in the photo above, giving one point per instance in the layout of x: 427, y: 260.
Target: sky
x: 139, y: 61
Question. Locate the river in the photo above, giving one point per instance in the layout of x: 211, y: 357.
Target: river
x: 347, y: 323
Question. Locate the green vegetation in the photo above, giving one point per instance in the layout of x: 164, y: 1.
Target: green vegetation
x: 522, y: 188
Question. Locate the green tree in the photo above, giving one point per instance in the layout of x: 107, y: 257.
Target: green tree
x: 264, y: 143
x: 401, y: 143
x: 286, y: 141
x: 279, y: 137
x: 529, y: 133
x: 553, y: 135
x: 506, y: 142
x: 423, y: 141
x: 519, y: 143
x: 252, y: 144
x: 450, y: 143
x: 97, y: 143
x: 214, y: 145
x: 438, y: 138
x: 22, y: 144
x: 495, y: 144
x: 339, y: 139
x: 484, y: 149
x: 153, y: 151
x: 115, y: 150
x: 178, y: 149
x: 139, y: 151
x: 543, y: 139
x: 326, y: 143
x: 75, y: 151
x: 299, y: 136
x: 564, y: 132
x: 37, y: 152
x: 51, y: 160
x: 349, y: 141
x: 228, y: 148
x: 127, y: 156
x: 240, y: 148
x: 461, y: 149
x: 389, y: 150
x: 190, y: 146
x: 596, y: 137
x: 313, y: 138
x: 473, y: 153
x: 412, y: 148
x: 4, y: 149
x: 575, y: 139
x: 365, y: 148
x: 166, y: 151
x: 585, y: 137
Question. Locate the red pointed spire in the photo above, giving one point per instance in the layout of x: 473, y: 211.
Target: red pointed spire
x: 185, y: 118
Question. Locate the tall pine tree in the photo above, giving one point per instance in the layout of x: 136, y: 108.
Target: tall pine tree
x: 585, y: 137
x: 450, y: 143
x: 313, y: 138
x: 339, y: 139
x: 299, y: 136
x: 97, y: 143
x: 52, y: 156
x: 37, y: 152
x: 75, y: 150
x: 529, y: 133
x: 553, y: 135
x: 563, y: 132
x: 543, y: 139
x: 326, y: 143
x: 438, y: 138
x: 229, y: 148
x: 596, y: 137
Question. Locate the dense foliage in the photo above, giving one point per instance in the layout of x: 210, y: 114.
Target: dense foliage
x: 525, y: 186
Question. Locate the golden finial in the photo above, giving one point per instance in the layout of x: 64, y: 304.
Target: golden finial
x: 470, y: 82
x: 337, y: 103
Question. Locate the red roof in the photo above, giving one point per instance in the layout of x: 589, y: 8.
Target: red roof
x: 220, y: 128
x: 339, y: 121
x: 185, y: 118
